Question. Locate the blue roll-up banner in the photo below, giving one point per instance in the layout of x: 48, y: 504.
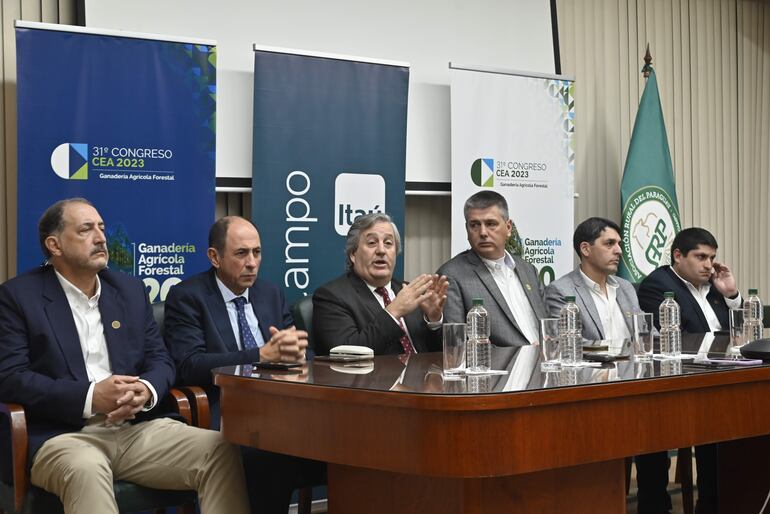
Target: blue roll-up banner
x: 329, y: 145
x: 127, y: 123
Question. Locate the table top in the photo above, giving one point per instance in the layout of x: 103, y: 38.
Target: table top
x: 518, y: 370
x: 380, y: 417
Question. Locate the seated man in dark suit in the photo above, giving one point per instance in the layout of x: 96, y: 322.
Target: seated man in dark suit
x: 509, y: 285
x: 368, y: 307
x: 79, y: 349
x: 227, y: 316
x: 705, y: 290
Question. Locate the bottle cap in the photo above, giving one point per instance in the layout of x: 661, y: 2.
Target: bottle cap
x: 478, y: 301
x: 668, y: 294
x: 569, y: 298
x: 753, y: 291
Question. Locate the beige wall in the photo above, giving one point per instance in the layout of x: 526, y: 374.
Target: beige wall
x: 712, y: 64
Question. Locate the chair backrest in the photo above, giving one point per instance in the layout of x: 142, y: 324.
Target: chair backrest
x: 158, y: 312
x: 766, y: 316
x: 302, y: 312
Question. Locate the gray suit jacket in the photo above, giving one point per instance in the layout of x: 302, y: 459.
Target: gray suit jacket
x: 572, y: 284
x: 470, y: 278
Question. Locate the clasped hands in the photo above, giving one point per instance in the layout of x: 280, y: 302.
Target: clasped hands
x: 288, y: 345
x: 119, y: 397
x: 428, y: 292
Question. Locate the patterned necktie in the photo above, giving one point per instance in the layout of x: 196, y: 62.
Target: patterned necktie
x: 247, y: 338
x: 406, y: 344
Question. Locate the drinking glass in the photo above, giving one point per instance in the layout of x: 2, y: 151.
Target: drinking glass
x: 550, y: 351
x: 737, y: 332
x: 454, y: 349
x: 643, y: 336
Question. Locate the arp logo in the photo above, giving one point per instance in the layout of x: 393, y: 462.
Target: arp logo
x: 70, y: 161
x: 356, y: 194
x: 483, y: 172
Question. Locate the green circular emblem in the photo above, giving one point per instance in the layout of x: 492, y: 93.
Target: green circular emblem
x: 650, y: 222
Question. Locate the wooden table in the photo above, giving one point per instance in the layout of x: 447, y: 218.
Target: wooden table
x: 432, y: 446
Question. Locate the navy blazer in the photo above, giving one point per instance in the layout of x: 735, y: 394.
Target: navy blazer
x: 691, y: 316
x: 41, y: 361
x: 198, y: 331
x: 346, y: 312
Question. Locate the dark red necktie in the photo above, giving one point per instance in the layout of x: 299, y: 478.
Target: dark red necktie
x: 406, y: 344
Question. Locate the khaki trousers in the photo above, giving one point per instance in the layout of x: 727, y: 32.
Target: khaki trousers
x: 80, y: 467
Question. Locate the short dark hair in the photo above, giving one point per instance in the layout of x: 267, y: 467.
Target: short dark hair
x: 589, y: 230
x: 218, y: 232
x: 52, y: 221
x: 362, y: 223
x: 485, y: 200
x: 689, y: 239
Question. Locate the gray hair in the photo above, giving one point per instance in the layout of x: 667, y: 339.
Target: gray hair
x: 362, y: 223
x: 485, y: 200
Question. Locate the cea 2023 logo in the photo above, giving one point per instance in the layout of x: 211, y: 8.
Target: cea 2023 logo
x: 70, y: 161
x: 483, y: 172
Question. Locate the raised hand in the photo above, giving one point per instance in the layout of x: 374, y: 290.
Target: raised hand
x: 433, y: 305
x: 411, y: 296
x: 723, y: 280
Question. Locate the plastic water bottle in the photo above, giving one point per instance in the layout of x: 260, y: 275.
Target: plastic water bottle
x: 670, y: 334
x: 752, y: 325
x: 570, y: 333
x: 479, y: 353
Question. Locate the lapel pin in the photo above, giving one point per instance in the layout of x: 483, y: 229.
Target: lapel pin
x: 529, y: 287
x: 116, y: 324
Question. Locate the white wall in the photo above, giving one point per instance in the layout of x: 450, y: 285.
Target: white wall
x: 512, y: 34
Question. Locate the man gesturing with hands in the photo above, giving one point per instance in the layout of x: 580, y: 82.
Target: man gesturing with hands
x: 367, y: 306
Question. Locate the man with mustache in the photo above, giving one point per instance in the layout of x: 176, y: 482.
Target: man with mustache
x: 606, y: 302
x: 705, y: 291
x: 80, y: 350
x: 367, y: 306
x: 227, y: 316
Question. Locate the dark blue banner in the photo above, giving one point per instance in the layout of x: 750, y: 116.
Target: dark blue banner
x: 129, y: 124
x: 329, y: 145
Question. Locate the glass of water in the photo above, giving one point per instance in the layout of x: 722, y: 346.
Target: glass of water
x: 550, y: 351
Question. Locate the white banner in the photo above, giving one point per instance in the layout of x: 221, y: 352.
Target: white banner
x: 515, y: 134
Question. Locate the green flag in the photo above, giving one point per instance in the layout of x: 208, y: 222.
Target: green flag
x: 649, y: 210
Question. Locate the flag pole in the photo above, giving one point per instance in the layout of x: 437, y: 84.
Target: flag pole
x: 647, y: 63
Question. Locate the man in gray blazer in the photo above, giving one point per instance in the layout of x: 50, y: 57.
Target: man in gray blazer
x: 509, y: 285
x: 607, y: 303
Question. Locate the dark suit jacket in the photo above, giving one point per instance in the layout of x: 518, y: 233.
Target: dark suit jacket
x: 41, y: 362
x: 692, y: 319
x: 470, y: 278
x: 198, y: 331
x: 346, y: 312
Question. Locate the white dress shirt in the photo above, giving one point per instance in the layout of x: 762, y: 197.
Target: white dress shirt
x: 503, y: 271
x: 700, y: 293
x: 93, y: 344
x: 232, y: 313
x: 611, y: 315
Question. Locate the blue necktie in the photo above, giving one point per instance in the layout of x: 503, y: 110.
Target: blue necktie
x: 247, y: 338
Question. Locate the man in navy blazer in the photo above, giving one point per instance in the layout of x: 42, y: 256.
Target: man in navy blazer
x: 80, y: 350
x: 227, y: 316
x: 705, y: 290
